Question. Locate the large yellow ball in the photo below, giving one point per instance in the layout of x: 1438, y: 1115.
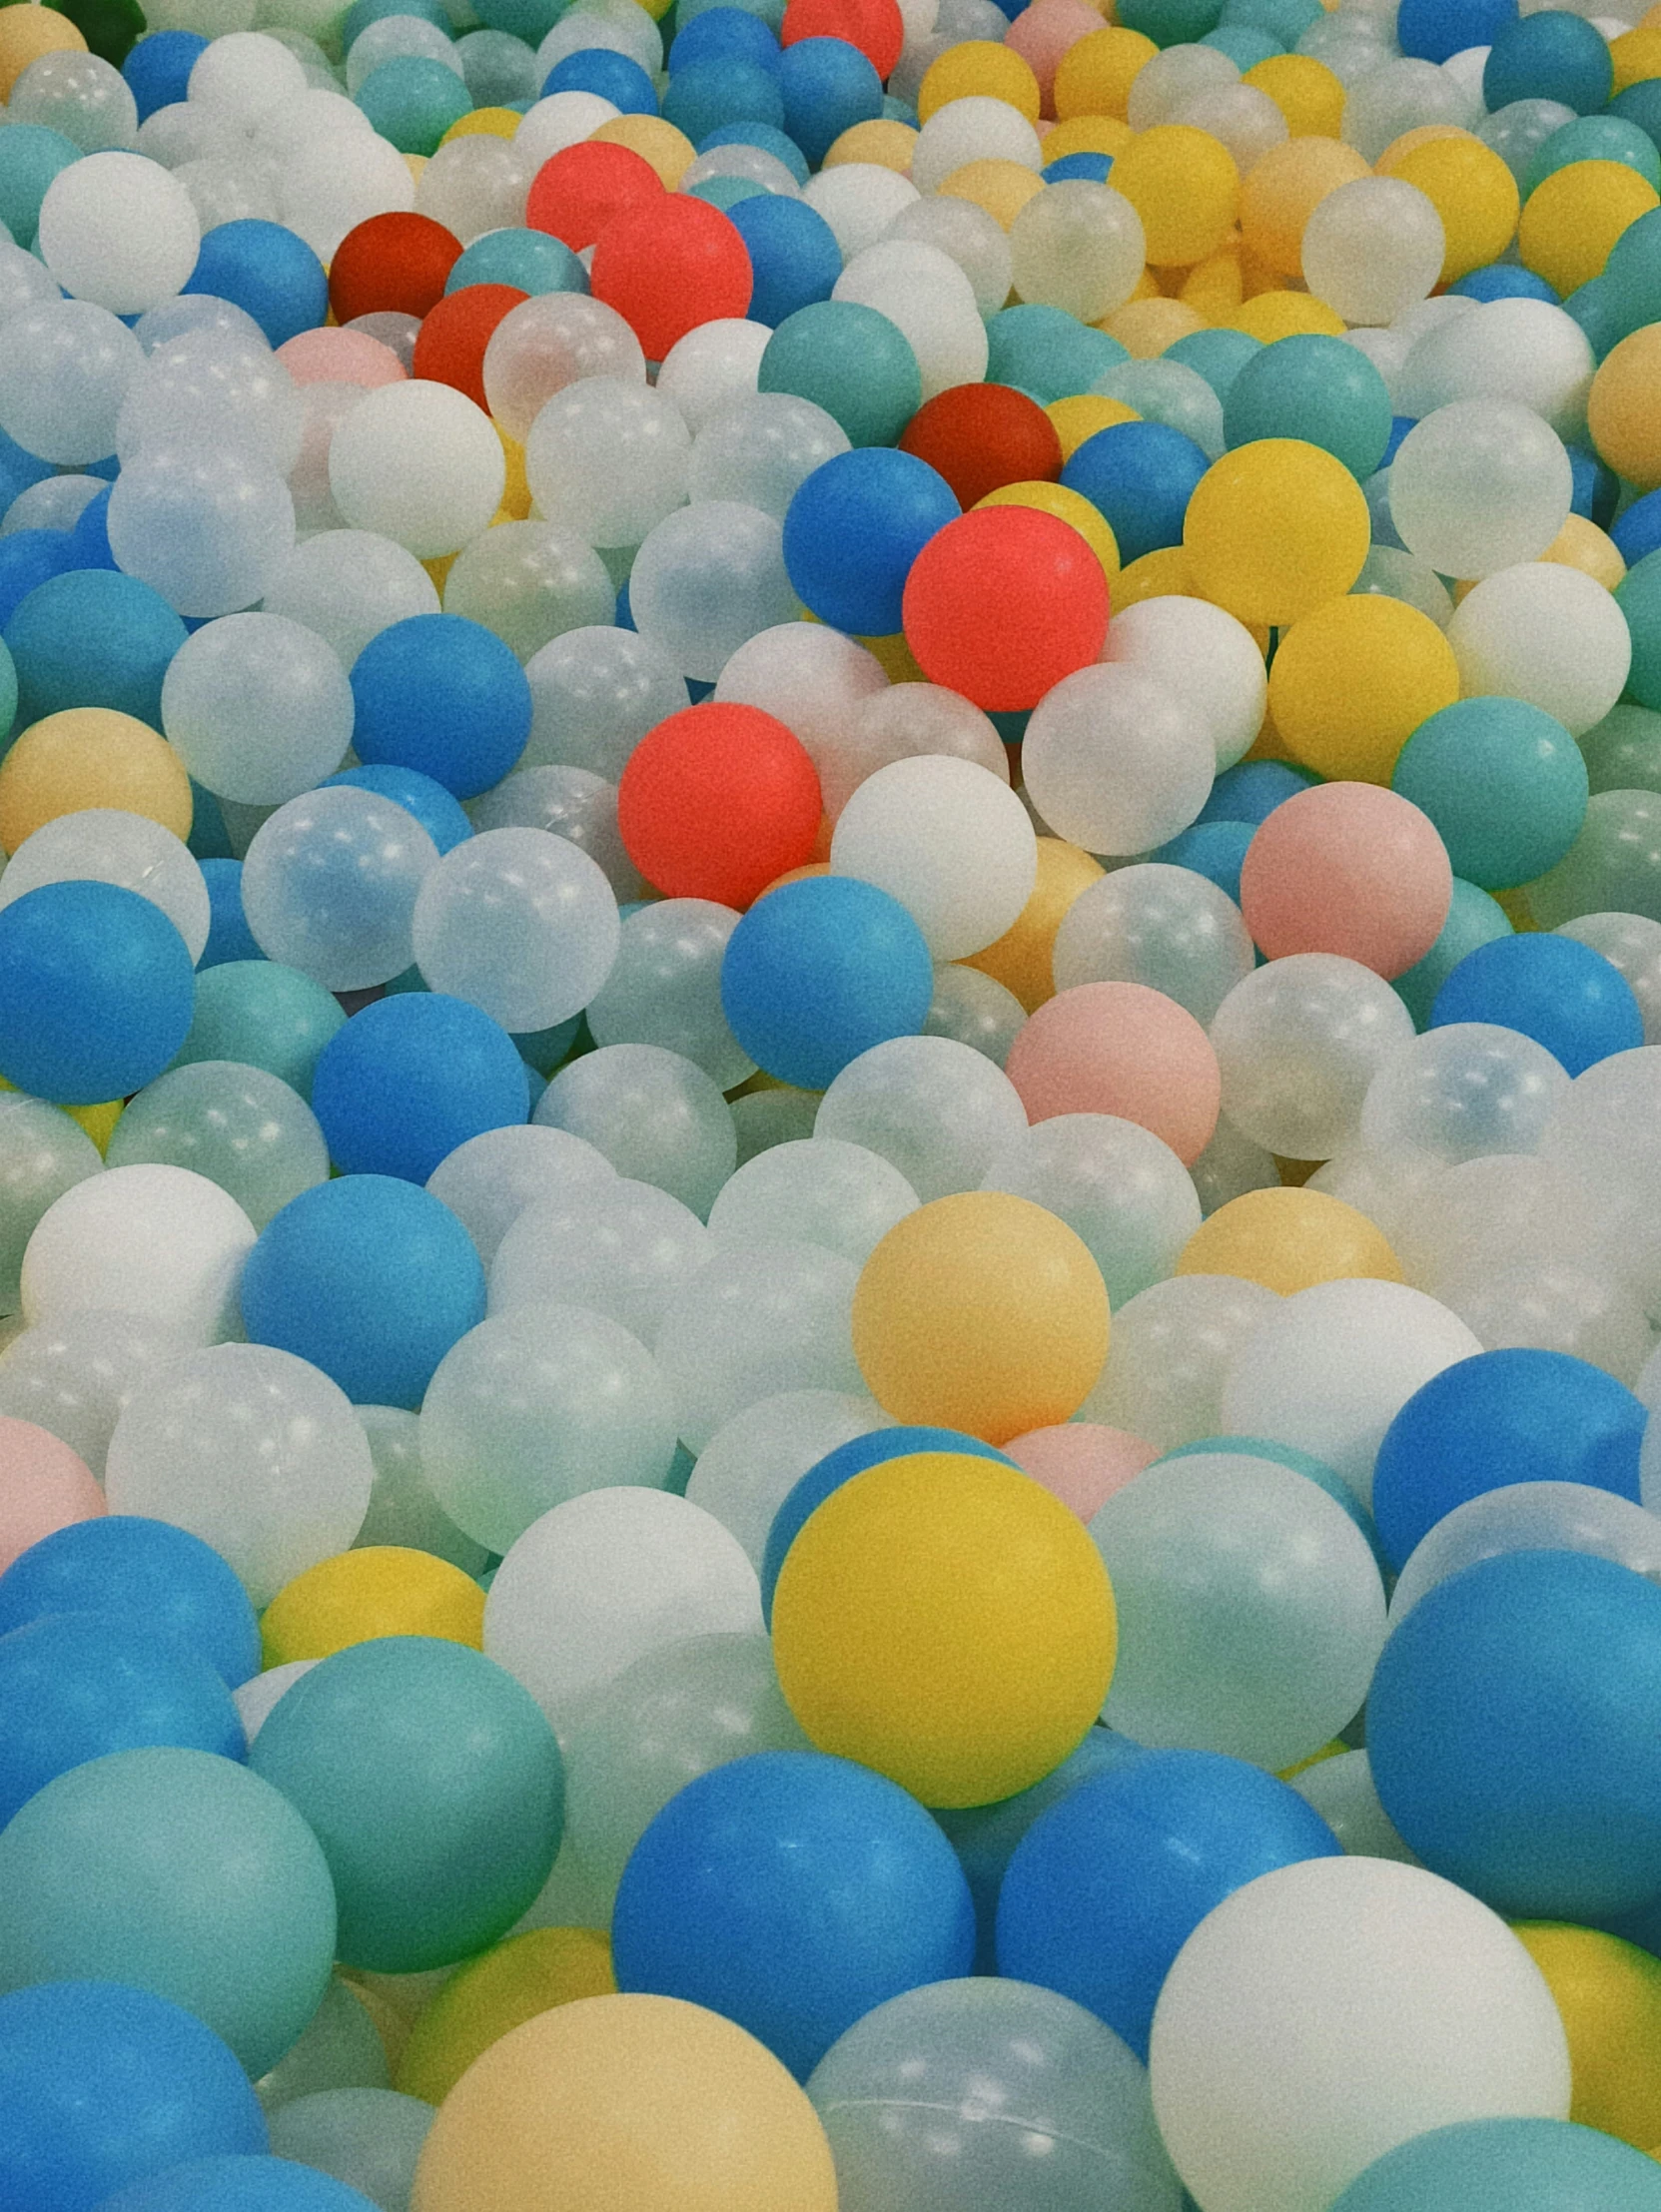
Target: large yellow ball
x: 1623, y: 413
x: 1021, y: 959
x: 626, y: 2104
x: 978, y: 69
x: 1095, y: 75
x: 90, y: 757
x: 383, y: 1590
x: 946, y: 1621
x: 1306, y: 91
x: 494, y: 1994
x: 981, y: 1313
x: 1288, y: 1241
x: 1609, y: 1995
x: 1353, y: 681
x: 1184, y: 185
x: 26, y: 34
x: 1000, y: 189
x: 1570, y: 222
x: 1275, y: 529
x: 1472, y: 191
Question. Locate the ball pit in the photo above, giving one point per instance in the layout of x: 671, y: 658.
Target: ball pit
x: 830, y: 1055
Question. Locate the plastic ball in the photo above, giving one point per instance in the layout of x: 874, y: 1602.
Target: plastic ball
x: 1118, y: 1186
x: 1373, y: 249
x: 934, y: 1106
x: 1205, y: 657
x: 1171, y: 1348
x: 155, y: 1240
x: 1574, y: 217
x: 716, y: 802
x: 1353, y: 679
x: 1288, y: 1241
x: 268, y: 271
x: 928, y: 830
x: 1299, y: 1041
x: 1116, y: 761
x: 1345, y: 868
x: 1509, y: 2162
x: 240, y: 1127
x: 1004, y: 603
x: 1616, y: 412
x: 1275, y: 529
x: 757, y: 1321
x: 258, y: 708
x: 119, y: 231
x: 1547, y: 634
x: 654, y: 1115
x: 1531, y: 774
x: 367, y: 2139
x: 330, y: 883
x: 1119, y: 1047
x: 510, y: 1983
x: 706, y: 581
x: 97, y: 993
x: 854, y: 530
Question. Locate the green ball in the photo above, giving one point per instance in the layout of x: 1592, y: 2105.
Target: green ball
x: 850, y: 360
x: 1595, y: 138
x: 1245, y: 44
x: 1638, y: 596
x: 179, y: 1873
x: 1171, y: 22
x: 262, y: 1015
x: 1624, y: 751
x: 1504, y: 784
x: 434, y: 1787
x: 1288, y: 19
x: 1613, y: 866
x: 1321, y: 390
x: 413, y: 100
x: 1048, y: 353
x: 31, y: 155
x: 1218, y: 356
x: 1473, y: 919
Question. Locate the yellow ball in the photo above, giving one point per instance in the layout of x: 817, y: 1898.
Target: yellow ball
x: 1353, y: 681
x: 1609, y: 1995
x: 1423, y: 133
x: 1021, y: 959
x: 1163, y: 574
x: 884, y: 144
x: 1282, y: 191
x: 484, y: 123
x: 1215, y: 286
x: 1275, y: 527
x: 1082, y: 413
x: 1001, y: 188
x: 494, y: 1994
x: 1581, y: 544
x: 978, y: 69
x: 26, y: 34
x: 659, y: 145
x: 1269, y: 316
x: 90, y: 757
x: 383, y: 1590
x: 1288, y: 1241
x: 981, y: 1313
x: 1570, y: 222
x: 1095, y: 76
x: 1144, y: 328
x: 1071, y: 507
x: 1184, y: 185
x: 1636, y: 55
x: 1622, y: 414
x: 1473, y: 191
x: 1089, y: 133
x: 99, y: 1121
x: 949, y: 1622
x: 1306, y: 91
x: 626, y: 2104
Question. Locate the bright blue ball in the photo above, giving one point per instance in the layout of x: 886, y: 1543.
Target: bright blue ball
x: 1217, y: 355
x: 1511, y: 1732
x: 267, y: 271
x: 1504, y: 784
x: 29, y: 558
x: 102, y: 2086
x: 1559, y: 992
x: 1048, y: 353
x: 1597, y: 489
x: 31, y: 155
x: 1506, y: 281
x: 775, y: 142
x: 92, y: 637
x: 1253, y: 789
x: 1436, y: 30
x: 723, y: 34
x: 530, y: 261
x: 1107, y: 1887
x: 370, y: 1280
x: 89, y: 542
x: 1094, y: 169
x: 404, y: 1081
x: 820, y: 970
x: 1637, y: 533
x: 1473, y: 919
x: 1549, y: 56
x: 77, y: 1686
x: 615, y: 77
x: 145, y: 1575
x: 1140, y: 476
x: 794, y: 257
x: 440, y: 812
x: 1214, y: 850
x: 260, y: 2184
x: 826, y: 1476
x: 853, y: 530
x: 828, y: 86
x: 229, y: 936
x: 1508, y: 2166
x: 703, y: 95
x: 158, y: 69
x: 1517, y: 1416
x: 444, y: 696
x: 793, y: 1893
x: 96, y: 992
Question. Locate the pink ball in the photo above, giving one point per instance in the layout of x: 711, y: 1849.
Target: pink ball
x: 1119, y: 1048
x: 1042, y: 34
x: 43, y: 1486
x: 1082, y: 1463
x: 340, y: 357
x: 1347, y: 868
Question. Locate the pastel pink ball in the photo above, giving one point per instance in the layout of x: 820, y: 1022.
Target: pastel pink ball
x: 1042, y: 34
x: 1119, y: 1048
x: 1082, y: 1463
x: 43, y: 1486
x: 340, y: 357
x: 1352, y: 869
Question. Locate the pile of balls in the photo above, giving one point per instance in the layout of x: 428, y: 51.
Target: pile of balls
x: 830, y: 1106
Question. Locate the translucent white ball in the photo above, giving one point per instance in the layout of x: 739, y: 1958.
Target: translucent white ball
x: 105, y: 845
x: 65, y: 367
x: 1239, y: 117
x: 1230, y: 1165
x: 611, y: 1244
x: 245, y: 74
x: 753, y: 163
x: 157, y: 1242
x: 206, y: 527
x: 1462, y: 1090
x: 1116, y: 761
x: 394, y: 38
x: 1341, y: 1790
x: 76, y: 1375
x: 1556, y: 1308
x: 1168, y: 928
x: 1631, y: 943
x: 519, y: 923
x: 973, y: 1009
x: 706, y: 581
x: 1496, y: 1214
x: 926, y: 296
x: 810, y: 677
x: 972, y: 130
x: 489, y: 1181
x: 860, y: 201
x: 80, y: 96
x: 549, y: 341
x: 1298, y: 1042
x: 654, y: 1115
x: 757, y: 1320
x: 1523, y: 349
x: 348, y: 586
x: 939, y: 1112
x: 664, y: 986
x: 330, y: 883
x: 563, y: 119
x: 900, y: 722
x: 1080, y: 247
x: 120, y: 231
x: 822, y: 1191
x: 324, y: 406
x: 257, y: 707
x: 1120, y: 1187
x: 974, y: 239
x: 216, y: 386
x: 1171, y: 1349
x: 529, y: 582
x: 1530, y: 1517
x: 571, y: 803
x: 748, y: 1468
x: 1172, y: 78
x: 43, y: 1153
x: 946, y: 838
x: 1479, y: 487
x: 761, y: 447
x: 1545, y: 633
x: 475, y: 184
x: 333, y: 183
x: 1404, y: 96
x: 607, y: 459
x: 596, y: 691
x: 711, y: 365
x: 1373, y: 249
x: 420, y: 464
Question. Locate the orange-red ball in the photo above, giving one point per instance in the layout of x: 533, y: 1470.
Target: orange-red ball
x: 1003, y: 603
x: 983, y: 437
x: 876, y: 27
x: 392, y: 264
x: 717, y: 802
x: 669, y: 265
x: 578, y: 192
x: 450, y: 345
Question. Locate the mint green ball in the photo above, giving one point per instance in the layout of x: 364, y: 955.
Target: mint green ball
x: 413, y: 100
x: 850, y: 360
x: 1624, y: 751
x: 262, y: 1015
x: 1503, y: 782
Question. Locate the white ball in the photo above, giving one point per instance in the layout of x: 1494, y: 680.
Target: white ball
x: 948, y: 841
x: 893, y: 722
x: 1545, y: 633
x: 152, y: 1240
x: 1204, y: 658
x: 712, y: 365
x: 706, y: 581
x: 929, y: 300
x: 1170, y: 1354
x: 1463, y: 1091
x: 349, y: 586
x: 209, y: 528
x: 420, y: 464
x: 1343, y: 1792
x: 246, y: 74
x: 563, y: 119
x: 65, y: 367
x: 972, y: 130
x: 654, y: 1115
x: 761, y: 447
x: 256, y: 1699
x: 1404, y: 96
x: 1480, y: 485
x: 860, y: 201
x: 747, y: 1469
x: 257, y: 707
x: 104, y: 845
x: 519, y: 923
x: 1532, y: 1517
x: 753, y: 1323
x: 475, y: 184
x: 972, y: 238
x: 1631, y: 943
x: 594, y: 693
x: 1168, y: 928
x: 939, y: 1112
x: 1119, y: 1188
x: 1373, y: 249
x: 1117, y: 762
x: 1521, y: 350
x: 607, y: 459
x: 823, y: 1190
x: 549, y: 341
x: 328, y: 886
x: 333, y: 183
x: 120, y: 231
x: 664, y: 986
x: 491, y: 1180
x: 620, y: 1247
x: 1080, y: 247
x: 810, y: 676
x: 1172, y: 78
x: 1298, y: 1042
x: 1239, y: 117
x: 216, y: 385
x: 1332, y: 2010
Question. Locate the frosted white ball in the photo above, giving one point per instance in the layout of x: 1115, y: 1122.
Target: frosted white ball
x: 1528, y: 1517
x: 974, y: 239
x: 1545, y: 633
x: 1373, y: 249
x: 595, y: 692
x: 65, y: 367
x: 1298, y: 1042
x: 491, y: 1180
x: 654, y: 1115
x: 1479, y: 487
x: 519, y: 923
x: 1342, y: 1792
x: 420, y: 464
x: 75, y: 1375
x: 391, y: 38
x: 760, y: 449
x: 215, y: 386
x: 209, y: 528
x: 528, y: 583
x: 1404, y: 96
x: 153, y: 1240
x: 1521, y: 350
x: 748, y: 1468
x: 972, y: 130
x: 896, y: 722
x: 706, y: 581
x: 1631, y: 943
x: 333, y: 183
x: 621, y: 1248
x: 1498, y: 1213
x: 939, y: 1112
x: 1204, y: 657
x: 256, y: 1699
x: 328, y: 886
x: 821, y: 1191
x: 607, y: 459
x: 926, y: 296
x: 755, y: 1321
x: 712, y: 365
x: 972, y: 1009
x: 104, y: 845
x: 79, y: 95
x: 664, y: 986
x: 120, y: 231
x: 1119, y: 1188
x: 571, y: 803
x: 948, y: 841
x: 475, y: 184
x: 1172, y: 78
x: 1080, y: 247
x: 860, y: 201
x: 1462, y: 1090
x: 349, y: 586
x: 257, y: 707
x: 563, y: 119
x: 751, y: 162
x: 1117, y: 762
x: 811, y: 677
x: 1168, y: 928
x: 245, y: 74
x: 1239, y: 117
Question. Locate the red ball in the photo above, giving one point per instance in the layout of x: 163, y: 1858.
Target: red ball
x: 392, y: 264
x: 716, y: 802
x: 876, y: 27
x: 1002, y: 604
x: 982, y: 436
x: 670, y: 266
x: 578, y: 192
x: 450, y: 345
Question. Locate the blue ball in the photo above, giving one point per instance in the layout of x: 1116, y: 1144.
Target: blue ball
x: 1140, y: 476
x: 530, y: 261
x: 404, y: 1081
x: 368, y: 1278
x: 440, y: 812
x: 702, y: 95
x: 771, y: 141
x: 158, y: 69
x: 1106, y: 1888
x: 1637, y: 533
x: 89, y: 542
x: 77, y: 1686
x: 820, y: 970
x: 92, y: 637
x: 1505, y: 280
x: 257, y: 2184
x: 444, y: 696
x: 267, y: 271
x: 723, y: 34
x: 145, y: 1575
x: 28, y: 559
x: 1508, y: 2166
x: 97, y: 990
x: 794, y: 257
x: 1517, y: 1416
x: 1217, y: 355
x: 1560, y: 992
x: 102, y: 2086
x: 1436, y: 30
x: 1094, y: 168
x: 1473, y: 919
x: 826, y: 1476
x: 1253, y: 789
x: 363, y: 13
x: 615, y: 77
x: 828, y: 86
x: 1214, y: 850
x: 1511, y: 1732
x: 1048, y: 353
x: 1597, y: 490
x: 853, y: 530
x: 229, y: 936
x: 793, y: 1893
x: 1549, y: 56
x: 31, y: 155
